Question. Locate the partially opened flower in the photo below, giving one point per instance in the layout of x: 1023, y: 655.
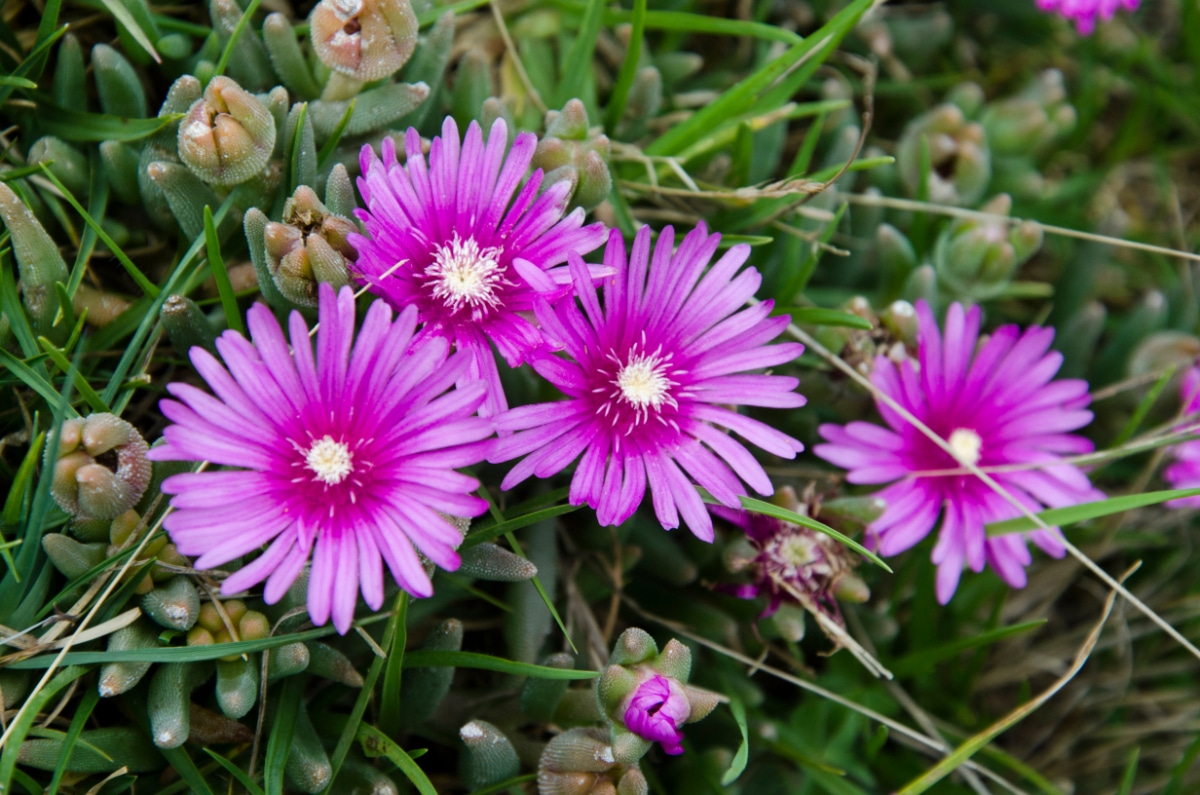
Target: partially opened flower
x: 1184, y: 471
x: 649, y: 378
x: 1085, y: 12
x: 450, y: 239
x: 347, y: 456
x: 996, y: 405
x: 656, y: 710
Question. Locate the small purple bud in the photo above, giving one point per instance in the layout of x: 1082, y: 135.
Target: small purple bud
x: 656, y: 710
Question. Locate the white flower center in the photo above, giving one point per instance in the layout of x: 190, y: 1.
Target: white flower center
x: 331, y: 461
x: 797, y: 550
x: 966, y: 445
x: 463, y: 273
x: 643, y: 382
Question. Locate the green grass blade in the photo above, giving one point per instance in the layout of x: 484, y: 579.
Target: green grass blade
x: 82, y: 712
x: 1143, y: 408
x: 31, y: 379
x: 742, y: 97
x: 18, y: 729
x: 279, y: 744
x: 629, y: 67
x: 148, y: 287
x: 233, y: 316
x: 577, y: 68
x: 489, y: 532
x: 33, y: 63
x: 237, y: 34
x: 743, y: 752
x: 816, y: 316
x: 81, y: 385
x: 507, y: 785
x: 178, y: 758
x: 74, y: 125
x: 1060, y: 517
x: 425, y: 658
x: 389, y: 697
x: 236, y: 772
x: 126, y: 20
x: 330, y: 146
x: 376, y: 743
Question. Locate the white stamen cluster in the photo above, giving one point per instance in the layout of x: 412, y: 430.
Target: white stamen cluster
x: 330, y: 461
x: 462, y: 273
x: 967, y: 445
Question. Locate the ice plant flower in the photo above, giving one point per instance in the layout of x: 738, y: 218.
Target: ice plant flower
x: 346, y: 456
x: 648, y: 379
x: 1085, y: 12
x: 656, y: 710
x: 450, y: 239
x: 1184, y: 471
x: 996, y: 406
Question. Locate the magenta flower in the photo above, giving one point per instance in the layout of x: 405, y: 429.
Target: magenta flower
x: 1184, y: 472
x: 347, y: 455
x: 450, y: 239
x: 648, y: 376
x: 656, y: 710
x: 996, y: 407
x: 1086, y: 12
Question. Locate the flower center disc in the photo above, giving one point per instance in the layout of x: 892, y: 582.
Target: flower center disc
x: 643, y: 382
x: 966, y: 444
x: 331, y: 461
x: 462, y: 273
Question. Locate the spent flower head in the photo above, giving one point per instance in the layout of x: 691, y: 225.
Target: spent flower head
x: 462, y: 240
x: 652, y: 379
x: 347, y: 456
x: 995, y: 403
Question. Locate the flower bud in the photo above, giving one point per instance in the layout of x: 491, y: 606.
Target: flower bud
x: 656, y: 710
x: 568, y: 151
x: 227, y: 135
x: 364, y: 39
x: 489, y: 758
x: 309, y: 247
x: 101, y: 470
x: 959, y: 159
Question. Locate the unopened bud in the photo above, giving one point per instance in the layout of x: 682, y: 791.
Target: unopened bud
x: 976, y: 258
x: 364, y: 39
x: 959, y: 159
x: 310, y: 246
x: 227, y: 135
x: 569, y: 151
x: 101, y: 470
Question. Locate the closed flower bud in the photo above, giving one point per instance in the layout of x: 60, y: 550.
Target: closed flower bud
x: 227, y: 135
x: 570, y: 151
x: 959, y: 158
x: 308, y: 248
x: 101, y: 470
x: 364, y: 39
x: 976, y: 258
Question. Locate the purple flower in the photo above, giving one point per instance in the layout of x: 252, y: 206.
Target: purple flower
x: 648, y: 377
x: 348, y: 455
x: 450, y: 239
x: 1085, y: 12
x: 996, y: 406
x: 656, y: 710
x: 1184, y: 472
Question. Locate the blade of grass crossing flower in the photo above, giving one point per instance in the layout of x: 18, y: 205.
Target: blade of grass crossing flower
x: 741, y: 97
x: 389, y: 696
x: 629, y: 67
x: 489, y: 532
x: 576, y: 69
x: 233, y: 37
x: 350, y: 732
x: 233, y: 317
x: 330, y: 146
x: 1059, y: 517
x: 82, y: 712
x: 279, y: 744
x: 974, y: 744
x: 743, y: 752
x: 376, y: 743
x: 425, y: 658
x: 767, y: 509
x: 922, y: 661
x: 19, y: 728
x: 148, y: 287
x: 72, y: 371
x: 126, y: 20
x: 236, y: 772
